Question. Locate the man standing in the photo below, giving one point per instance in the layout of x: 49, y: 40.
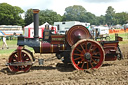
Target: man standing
x: 4, y: 43
x: 125, y: 27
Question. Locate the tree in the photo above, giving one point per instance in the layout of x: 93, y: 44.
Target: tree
x: 91, y: 18
x: 44, y: 16
x: 110, y: 15
x: 101, y: 20
x: 121, y: 18
x: 74, y: 13
x: 28, y: 16
x: 49, y: 16
x: 10, y: 15
x: 17, y: 16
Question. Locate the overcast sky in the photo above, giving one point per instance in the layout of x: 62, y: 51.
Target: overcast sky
x: 97, y: 7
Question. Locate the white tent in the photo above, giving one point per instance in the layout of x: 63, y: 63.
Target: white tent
x: 50, y: 26
x: 30, y: 25
x: 29, y: 31
x: 43, y: 25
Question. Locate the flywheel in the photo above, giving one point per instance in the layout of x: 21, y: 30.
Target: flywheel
x: 76, y: 33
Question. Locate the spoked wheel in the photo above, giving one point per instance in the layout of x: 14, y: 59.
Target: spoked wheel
x: 13, y: 59
x: 87, y: 54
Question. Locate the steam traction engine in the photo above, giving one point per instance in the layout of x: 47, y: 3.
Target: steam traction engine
x: 76, y: 46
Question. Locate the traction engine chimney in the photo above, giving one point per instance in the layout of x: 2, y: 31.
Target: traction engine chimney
x: 36, y: 23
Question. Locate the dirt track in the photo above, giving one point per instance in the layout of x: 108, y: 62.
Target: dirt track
x: 54, y: 72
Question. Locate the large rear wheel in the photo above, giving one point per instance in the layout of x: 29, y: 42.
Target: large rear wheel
x: 87, y: 54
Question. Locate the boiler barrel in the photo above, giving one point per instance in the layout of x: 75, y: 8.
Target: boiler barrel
x: 51, y: 48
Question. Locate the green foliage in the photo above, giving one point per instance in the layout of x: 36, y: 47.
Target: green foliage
x: 49, y: 16
x: 44, y: 16
x: 112, y: 18
x: 91, y: 18
x: 101, y: 20
x: 10, y: 15
x: 110, y: 15
x: 121, y: 18
x: 28, y: 17
x: 79, y: 13
x: 74, y: 13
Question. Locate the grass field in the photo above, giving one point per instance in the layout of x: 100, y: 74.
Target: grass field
x: 123, y: 35
x: 13, y: 44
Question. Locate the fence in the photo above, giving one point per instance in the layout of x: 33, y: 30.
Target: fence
x: 118, y: 31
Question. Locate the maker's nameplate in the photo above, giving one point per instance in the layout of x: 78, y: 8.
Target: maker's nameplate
x: 58, y: 39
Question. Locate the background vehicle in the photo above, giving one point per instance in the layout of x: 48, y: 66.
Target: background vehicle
x: 100, y: 32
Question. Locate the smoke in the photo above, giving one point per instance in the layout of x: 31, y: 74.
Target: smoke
x: 101, y: 1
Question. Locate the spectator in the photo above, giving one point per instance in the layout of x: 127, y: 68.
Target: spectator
x: 125, y: 28
x: 4, y: 43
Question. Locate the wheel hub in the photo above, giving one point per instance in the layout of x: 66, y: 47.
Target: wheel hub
x: 87, y: 56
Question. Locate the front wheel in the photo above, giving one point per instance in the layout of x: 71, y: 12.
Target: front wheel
x: 14, y: 59
x: 87, y: 54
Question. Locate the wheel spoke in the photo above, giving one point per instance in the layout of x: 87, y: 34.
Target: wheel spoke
x: 94, y: 48
x: 96, y: 57
x: 87, y: 64
x: 78, y: 54
x: 94, y: 61
x: 82, y: 65
x: 15, y: 58
x: 91, y: 65
x: 83, y: 48
x: 90, y: 48
x: 96, y: 53
x: 79, y: 62
x: 77, y: 58
x: 78, y: 50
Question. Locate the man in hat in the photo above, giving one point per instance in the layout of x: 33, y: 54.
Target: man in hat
x: 4, y: 43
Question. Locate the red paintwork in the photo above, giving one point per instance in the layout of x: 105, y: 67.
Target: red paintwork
x: 57, y: 39
x: 76, y: 33
x: 19, y: 56
x: 19, y: 48
x: 80, y: 57
x: 110, y: 49
x: 51, y: 48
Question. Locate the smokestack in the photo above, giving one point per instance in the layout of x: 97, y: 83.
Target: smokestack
x: 36, y: 23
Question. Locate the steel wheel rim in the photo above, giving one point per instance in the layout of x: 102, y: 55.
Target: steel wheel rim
x: 14, y: 58
x: 85, y: 58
